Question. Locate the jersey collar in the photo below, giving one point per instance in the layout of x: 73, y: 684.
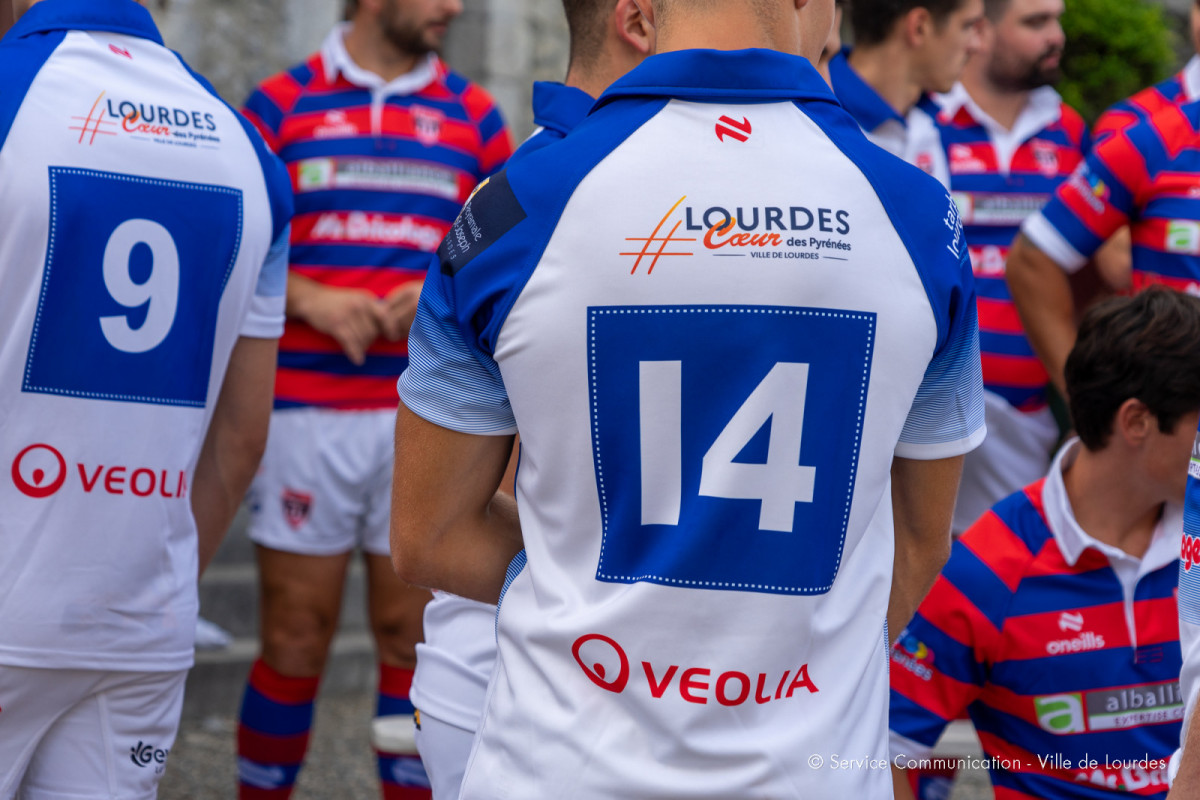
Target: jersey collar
x: 1044, y: 108
x: 558, y: 107
x: 337, y: 61
x: 739, y: 76
x: 1072, y: 540
x: 858, y: 97
x: 114, y: 16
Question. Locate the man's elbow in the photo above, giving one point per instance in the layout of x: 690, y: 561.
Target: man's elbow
x: 411, y: 557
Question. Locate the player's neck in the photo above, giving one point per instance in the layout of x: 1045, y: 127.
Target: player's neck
x: 724, y: 29
x: 884, y: 67
x: 1110, y: 502
x: 1002, y: 105
x: 592, y: 78
x: 371, y: 50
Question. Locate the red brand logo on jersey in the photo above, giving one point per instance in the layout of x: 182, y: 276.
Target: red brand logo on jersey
x: 427, y: 124
x: 121, y: 51
x: 29, y: 470
x: 1189, y: 552
x: 925, y: 163
x: 41, y: 470
x: 606, y: 664
x: 738, y: 131
x: 296, y: 507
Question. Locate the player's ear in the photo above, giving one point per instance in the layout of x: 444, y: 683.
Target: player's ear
x: 633, y: 26
x: 918, y: 25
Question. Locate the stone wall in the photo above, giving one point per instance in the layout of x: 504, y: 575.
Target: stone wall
x: 503, y: 44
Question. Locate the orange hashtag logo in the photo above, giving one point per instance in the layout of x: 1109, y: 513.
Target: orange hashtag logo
x: 662, y: 242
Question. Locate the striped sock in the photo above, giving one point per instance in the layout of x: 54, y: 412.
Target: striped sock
x: 401, y: 775
x: 273, y: 730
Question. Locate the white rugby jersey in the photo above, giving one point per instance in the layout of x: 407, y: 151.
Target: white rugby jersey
x: 714, y: 327
x: 137, y: 216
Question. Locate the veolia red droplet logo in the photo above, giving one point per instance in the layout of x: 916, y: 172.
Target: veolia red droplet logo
x: 596, y: 670
x: 39, y: 470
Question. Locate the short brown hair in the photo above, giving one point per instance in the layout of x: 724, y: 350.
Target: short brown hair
x: 585, y: 22
x: 1145, y: 347
x: 873, y: 20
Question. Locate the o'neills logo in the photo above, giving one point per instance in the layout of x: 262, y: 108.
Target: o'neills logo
x: 1080, y: 644
x: 1189, y: 552
x: 607, y: 665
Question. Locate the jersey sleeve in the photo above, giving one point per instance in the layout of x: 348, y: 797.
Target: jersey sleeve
x: 947, y: 417
x: 940, y: 661
x: 1189, y: 594
x: 1097, y: 200
x: 269, y: 104
x: 496, y: 143
x: 452, y: 379
x: 265, y: 318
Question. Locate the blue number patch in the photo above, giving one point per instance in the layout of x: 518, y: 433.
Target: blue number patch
x: 134, y: 275
x: 726, y: 442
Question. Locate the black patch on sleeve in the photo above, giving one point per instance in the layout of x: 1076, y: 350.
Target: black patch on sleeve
x: 492, y: 212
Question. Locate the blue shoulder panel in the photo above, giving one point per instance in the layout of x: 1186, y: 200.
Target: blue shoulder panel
x: 486, y: 277
x: 21, y: 59
x: 275, y: 174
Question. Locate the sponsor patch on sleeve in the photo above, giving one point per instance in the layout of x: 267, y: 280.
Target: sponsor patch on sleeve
x: 492, y: 211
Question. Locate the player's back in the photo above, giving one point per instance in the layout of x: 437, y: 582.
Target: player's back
x: 136, y: 213
x: 711, y: 327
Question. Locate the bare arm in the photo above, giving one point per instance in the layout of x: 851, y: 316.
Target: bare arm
x: 451, y: 527
x: 350, y: 316
x: 923, y: 495
x: 1186, y: 785
x: 900, y: 786
x: 234, y: 443
x: 1042, y: 293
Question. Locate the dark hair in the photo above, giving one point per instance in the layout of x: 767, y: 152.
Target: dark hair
x: 873, y: 20
x: 585, y: 21
x: 1145, y: 347
x: 351, y: 7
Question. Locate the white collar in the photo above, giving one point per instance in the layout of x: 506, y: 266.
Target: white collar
x: 1190, y: 77
x: 1043, y: 108
x: 1072, y: 540
x: 338, y: 61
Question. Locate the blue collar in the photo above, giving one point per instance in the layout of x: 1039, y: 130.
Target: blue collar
x: 740, y: 76
x: 558, y: 107
x: 114, y: 16
x: 856, y: 95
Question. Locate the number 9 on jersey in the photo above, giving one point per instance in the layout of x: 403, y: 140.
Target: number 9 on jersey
x: 726, y: 442
x: 135, y: 271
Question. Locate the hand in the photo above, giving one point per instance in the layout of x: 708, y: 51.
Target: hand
x: 395, y: 312
x: 348, y: 315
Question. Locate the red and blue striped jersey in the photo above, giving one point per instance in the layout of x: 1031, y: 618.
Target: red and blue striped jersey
x: 1147, y: 177
x: 999, y: 177
x: 1178, y: 89
x: 380, y: 171
x: 1072, y: 687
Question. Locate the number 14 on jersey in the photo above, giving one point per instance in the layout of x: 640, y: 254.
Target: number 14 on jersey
x: 726, y: 442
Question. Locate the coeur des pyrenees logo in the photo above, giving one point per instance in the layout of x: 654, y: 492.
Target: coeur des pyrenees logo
x: 111, y: 116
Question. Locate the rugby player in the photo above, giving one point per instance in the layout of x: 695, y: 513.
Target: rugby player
x: 384, y: 144
x: 694, y: 600
x: 143, y: 258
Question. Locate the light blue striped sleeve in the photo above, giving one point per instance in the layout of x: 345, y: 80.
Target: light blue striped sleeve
x: 264, y: 319
x: 947, y: 415
x: 448, y: 382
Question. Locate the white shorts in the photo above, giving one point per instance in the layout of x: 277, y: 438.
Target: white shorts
x: 444, y: 750
x: 325, y: 483
x: 1015, y: 453
x: 68, y: 734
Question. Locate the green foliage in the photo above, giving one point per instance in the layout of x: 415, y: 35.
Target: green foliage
x: 1114, y: 48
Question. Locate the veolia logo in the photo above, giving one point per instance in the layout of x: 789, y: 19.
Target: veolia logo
x: 39, y: 470
x: 597, y: 672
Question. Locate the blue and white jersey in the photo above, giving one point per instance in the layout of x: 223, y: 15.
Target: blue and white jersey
x: 715, y: 312
x: 1189, y: 596
x: 137, y: 216
x: 913, y: 137
x: 455, y: 660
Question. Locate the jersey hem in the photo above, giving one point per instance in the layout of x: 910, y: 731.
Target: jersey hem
x: 50, y: 659
x: 932, y: 452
